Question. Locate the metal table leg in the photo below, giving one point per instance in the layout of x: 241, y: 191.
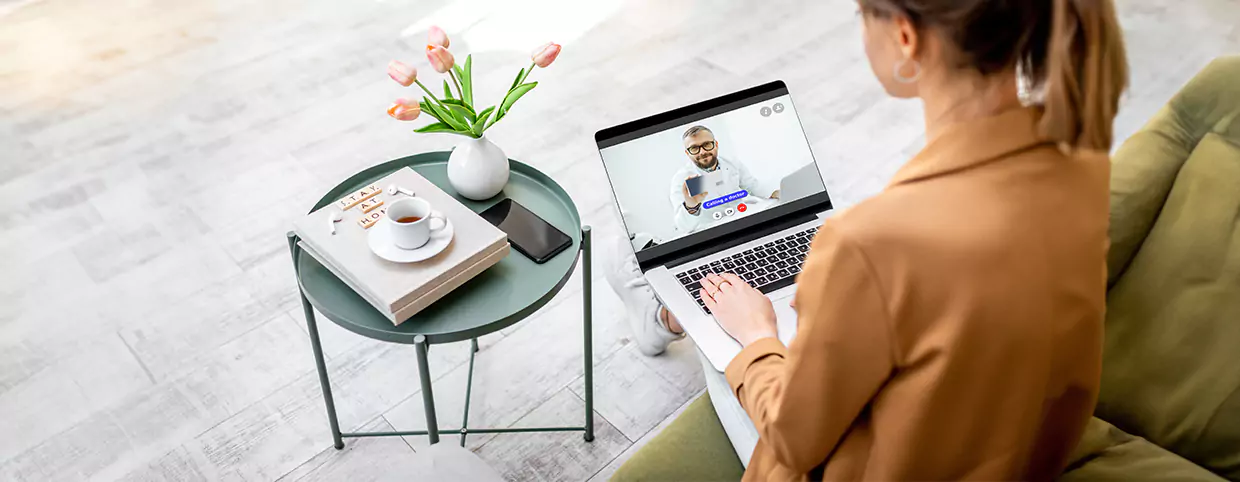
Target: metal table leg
x: 313, y: 329
x: 588, y: 328
x: 469, y: 390
x: 428, y: 397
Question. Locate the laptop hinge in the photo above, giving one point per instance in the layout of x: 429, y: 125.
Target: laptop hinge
x: 767, y: 228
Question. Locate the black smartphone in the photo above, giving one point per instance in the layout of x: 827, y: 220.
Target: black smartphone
x: 533, y: 237
x: 710, y: 182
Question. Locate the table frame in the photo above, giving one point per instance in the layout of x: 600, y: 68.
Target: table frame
x: 423, y: 347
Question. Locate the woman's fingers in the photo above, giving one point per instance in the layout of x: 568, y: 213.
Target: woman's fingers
x: 734, y: 280
x: 710, y: 302
x: 711, y: 283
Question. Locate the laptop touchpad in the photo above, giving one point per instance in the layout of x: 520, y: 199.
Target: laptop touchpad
x: 784, y: 314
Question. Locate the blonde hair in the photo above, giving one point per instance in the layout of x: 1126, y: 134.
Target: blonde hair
x: 1085, y: 73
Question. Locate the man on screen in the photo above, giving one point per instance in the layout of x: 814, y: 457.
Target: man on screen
x: 690, y: 213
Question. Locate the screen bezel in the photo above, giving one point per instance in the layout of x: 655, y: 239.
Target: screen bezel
x: 753, y: 224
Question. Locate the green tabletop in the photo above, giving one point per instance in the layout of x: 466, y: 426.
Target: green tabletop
x: 498, y: 297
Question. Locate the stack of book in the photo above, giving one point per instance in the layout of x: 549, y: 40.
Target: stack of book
x: 399, y: 290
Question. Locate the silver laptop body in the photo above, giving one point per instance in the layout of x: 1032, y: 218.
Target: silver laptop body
x: 759, y: 229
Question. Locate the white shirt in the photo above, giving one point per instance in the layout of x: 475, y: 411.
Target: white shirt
x: 736, y: 178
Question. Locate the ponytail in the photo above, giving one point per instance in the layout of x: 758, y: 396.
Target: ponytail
x: 1085, y: 73
x: 1071, y: 52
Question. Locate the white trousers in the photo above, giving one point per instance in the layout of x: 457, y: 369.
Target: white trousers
x: 652, y: 338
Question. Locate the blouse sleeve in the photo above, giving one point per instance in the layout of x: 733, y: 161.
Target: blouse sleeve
x: 804, y: 399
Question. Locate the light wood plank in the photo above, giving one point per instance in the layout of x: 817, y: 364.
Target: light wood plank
x: 514, y: 376
x: 552, y: 455
x: 176, y: 337
x: 269, y: 438
x: 367, y: 459
x: 607, y: 472
x: 179, y: 465
x: 632, y: 396
x: 143, y: 425
x: 51, y: 401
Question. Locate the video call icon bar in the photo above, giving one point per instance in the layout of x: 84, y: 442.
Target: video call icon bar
x: 777, y: 108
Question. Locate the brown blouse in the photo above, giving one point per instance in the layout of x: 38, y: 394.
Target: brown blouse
x: 949, y: 327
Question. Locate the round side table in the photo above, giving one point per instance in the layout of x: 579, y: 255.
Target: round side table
x: 500, y: 296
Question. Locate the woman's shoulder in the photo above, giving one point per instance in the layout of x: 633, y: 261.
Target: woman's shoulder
x: 881, y: 217
x: 900, y: 221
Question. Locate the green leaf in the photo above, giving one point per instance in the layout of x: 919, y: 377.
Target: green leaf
x: 428, y: 110
x: 447, y: 92
x: 524, y: 76
x: 462, y: 113
x: 459, y: 108
x: 436, y: 127
x: 469, y: 80
x: 517, y: 81
x: 510, y: 99
x: 480, y: 124
x: 447, y: 116
x: 460, y: 76
x: 458, y: 103
x: 515, y: 94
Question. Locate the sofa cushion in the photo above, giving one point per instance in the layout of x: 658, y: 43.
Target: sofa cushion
x: 1144, y: 168
x: 694, y: 447
x: 1171, y: 363
x: 1106, y: 453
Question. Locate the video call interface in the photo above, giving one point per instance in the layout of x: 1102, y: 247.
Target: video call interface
x: 709, y: 172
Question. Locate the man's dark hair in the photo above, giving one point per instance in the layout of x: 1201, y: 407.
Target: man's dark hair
x: 696, y: 129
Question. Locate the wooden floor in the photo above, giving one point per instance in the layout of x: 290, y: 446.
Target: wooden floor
x: 153, y: 154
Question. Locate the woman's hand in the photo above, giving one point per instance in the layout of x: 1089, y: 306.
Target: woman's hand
x: 742, y: 311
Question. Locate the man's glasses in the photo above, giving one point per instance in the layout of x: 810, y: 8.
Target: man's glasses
x: 694, y: 150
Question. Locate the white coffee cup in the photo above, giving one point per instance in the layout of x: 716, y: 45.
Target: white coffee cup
x: 414, y: 234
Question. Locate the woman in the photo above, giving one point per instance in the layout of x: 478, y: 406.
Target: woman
x: 951, y: 326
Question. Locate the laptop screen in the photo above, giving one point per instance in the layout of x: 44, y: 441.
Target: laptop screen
x: 710, y: 166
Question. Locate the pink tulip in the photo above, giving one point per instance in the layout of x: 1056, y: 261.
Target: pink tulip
x: 441, y: 59
x: 437, y: 37
x: 404, y: 110
x: 401, y: 73
x: 545, y: 55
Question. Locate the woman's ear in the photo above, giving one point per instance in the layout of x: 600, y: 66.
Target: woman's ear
x: 907, y: 38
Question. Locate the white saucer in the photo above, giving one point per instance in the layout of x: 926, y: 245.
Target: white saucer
x: 380, y: 241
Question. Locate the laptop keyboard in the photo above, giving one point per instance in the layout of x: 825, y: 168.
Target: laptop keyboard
x: 768, y: 267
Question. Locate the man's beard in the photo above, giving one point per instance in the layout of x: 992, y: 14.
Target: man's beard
x: 707, y: 163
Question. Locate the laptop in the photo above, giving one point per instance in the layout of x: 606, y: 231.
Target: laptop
x: 757, y: 222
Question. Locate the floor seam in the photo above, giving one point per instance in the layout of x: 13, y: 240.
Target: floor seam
x: 134, y: 354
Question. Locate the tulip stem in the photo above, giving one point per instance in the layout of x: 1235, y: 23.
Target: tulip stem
x: 527, y: 73
x: 428, y: 92
x: 460, y: 93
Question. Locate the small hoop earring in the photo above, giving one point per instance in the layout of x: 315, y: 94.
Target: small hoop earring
x: 909, y: 79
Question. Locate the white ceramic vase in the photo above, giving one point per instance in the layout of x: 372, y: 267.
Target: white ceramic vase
x: 478, y: 169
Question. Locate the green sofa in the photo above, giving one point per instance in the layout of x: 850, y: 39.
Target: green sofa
x: 1169, y: 408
